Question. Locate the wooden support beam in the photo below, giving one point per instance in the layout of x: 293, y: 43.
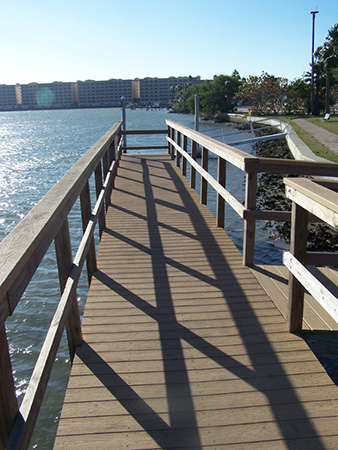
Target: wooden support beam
x: 193, y: 170
x: 249, y: 224
x: 98, y: 188
x: 184, y: 160
x: 86, y: 216
x: 221, y: 177
x: 171, y: 147
x: 168, y: 136
x: 294, y: 316
x: 204, y: 183
x: 111, y: 152
x: 178, y: 154
x: 65, y: 262
x: 8, y: 402
x: 105, y: 161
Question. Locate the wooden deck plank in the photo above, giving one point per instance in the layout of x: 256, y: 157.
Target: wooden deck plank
x: 183, y: 348
x: 274, y: 279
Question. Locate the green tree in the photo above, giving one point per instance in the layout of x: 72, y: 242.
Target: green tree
x: 298, y: 97
x: 216, y: 95
x: 328, y: 55
x: 265, y: 94
x: 319, y: 85
x: 184, y: 98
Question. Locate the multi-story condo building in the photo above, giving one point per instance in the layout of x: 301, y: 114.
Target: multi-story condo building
x: 47, y: 95
x: 103, y: 93
x: 8, y: 97
x: 90, y: 93
x: 162, y: 90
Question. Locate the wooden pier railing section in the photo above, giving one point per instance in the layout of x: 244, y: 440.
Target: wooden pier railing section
x: 23, y: 249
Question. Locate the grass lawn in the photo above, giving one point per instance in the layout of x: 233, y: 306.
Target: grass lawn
x: 329, y: 125
x: 317, y: 148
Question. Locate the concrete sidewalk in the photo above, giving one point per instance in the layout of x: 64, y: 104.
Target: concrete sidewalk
x: 328, y: 139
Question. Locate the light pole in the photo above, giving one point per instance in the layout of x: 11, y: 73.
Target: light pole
x: 312, y: 59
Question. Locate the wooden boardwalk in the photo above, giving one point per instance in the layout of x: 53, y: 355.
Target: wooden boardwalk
x: 183, y: 348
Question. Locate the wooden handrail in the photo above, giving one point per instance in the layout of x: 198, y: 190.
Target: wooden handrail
x: 231, y: 154
x: 125, y: 148
x: 21, y: 253
x: 308, y: 196
x: 251, y: 165
x: 135, y: 132
x: 23, y: 249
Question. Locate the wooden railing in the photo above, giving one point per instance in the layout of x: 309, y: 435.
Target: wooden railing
x: 180, y: 138
x: 125, y: 133
x: 21, y: 253
x: 23, y: 249
x: 309, y: 196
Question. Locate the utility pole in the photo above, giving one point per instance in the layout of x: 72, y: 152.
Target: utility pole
x: 312, y: 60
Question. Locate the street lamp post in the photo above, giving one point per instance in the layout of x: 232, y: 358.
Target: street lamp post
x: 312, y: 60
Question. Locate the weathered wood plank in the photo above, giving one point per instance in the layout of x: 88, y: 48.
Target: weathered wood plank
x: 313, y: 286
x: 249, y: 223
x: 298, y: 250
x: 22, y: 250
x: 8, y: 402
x: 182, y: 345
x: 64, y: 260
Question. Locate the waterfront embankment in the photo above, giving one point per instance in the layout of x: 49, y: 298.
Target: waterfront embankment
x: 271, y: 188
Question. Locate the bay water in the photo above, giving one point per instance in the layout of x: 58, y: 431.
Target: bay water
x: 36, y: 149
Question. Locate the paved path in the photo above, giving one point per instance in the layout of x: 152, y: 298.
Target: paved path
x: 330, y: 140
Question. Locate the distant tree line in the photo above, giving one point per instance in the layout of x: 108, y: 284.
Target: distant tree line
x: 267, y: 94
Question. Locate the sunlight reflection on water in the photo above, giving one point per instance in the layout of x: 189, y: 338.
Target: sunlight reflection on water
x: 36, y: 149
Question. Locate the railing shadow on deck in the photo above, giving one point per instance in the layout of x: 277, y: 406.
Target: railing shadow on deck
x: 276, y: 388
x: 21, y: 254
x: 17, y: 278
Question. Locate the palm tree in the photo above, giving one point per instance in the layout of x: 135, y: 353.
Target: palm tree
x: 319, y: 84
x: 328, y: 54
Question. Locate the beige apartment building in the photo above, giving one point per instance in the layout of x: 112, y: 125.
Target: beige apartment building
x: 91, y: 93
x: 47, y: 95
x: 8, y: 97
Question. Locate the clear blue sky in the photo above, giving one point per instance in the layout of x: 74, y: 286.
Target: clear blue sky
x: 69, y: 40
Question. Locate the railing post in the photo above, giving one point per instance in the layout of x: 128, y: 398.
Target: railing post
x: 294, y: 315
x: 197, y: 112
x: 169, y: 136
x: 178, y: 154
x: 124, y: 121
x: 171, y: 148
x: 111, y: 152
x: 86, y: 214
x: 64, y: 261
x: 184, y: 160
x: 221, y: 177
x: 204, y: 183
x: 98, y: 188
x: 117, y: 154
x: 192, y: 169
x: 105, y: 162
x: 8, y: 402
x: 249, y: 224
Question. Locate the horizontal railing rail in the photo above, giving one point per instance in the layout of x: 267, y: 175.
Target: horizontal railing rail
x: 180, y: 138
x: 20, y: 255
x: 309, y: 196
x: 125, y: 133
x: 22, y: 251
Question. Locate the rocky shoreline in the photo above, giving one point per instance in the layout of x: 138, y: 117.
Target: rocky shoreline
x: 271, y: 195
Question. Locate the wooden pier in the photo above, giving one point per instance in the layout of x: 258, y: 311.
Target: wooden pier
x: 182, y: 346
x: 184, y: 343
